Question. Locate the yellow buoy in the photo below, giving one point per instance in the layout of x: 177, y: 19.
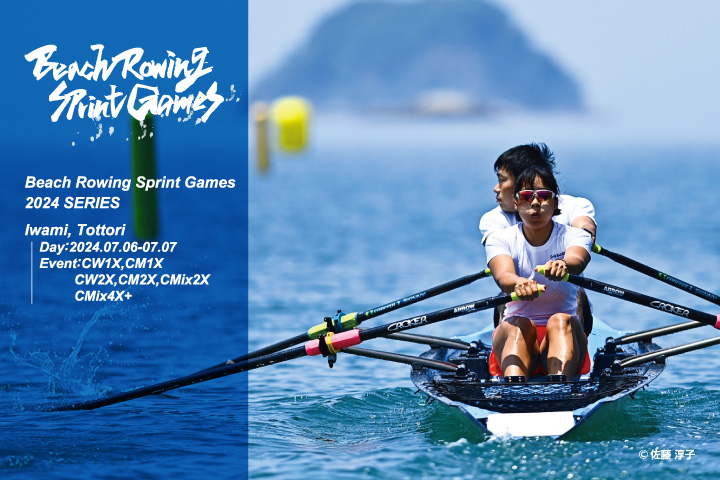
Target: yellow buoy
x: 291, y: 116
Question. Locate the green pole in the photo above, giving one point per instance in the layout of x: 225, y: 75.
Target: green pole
x: 143, y: 165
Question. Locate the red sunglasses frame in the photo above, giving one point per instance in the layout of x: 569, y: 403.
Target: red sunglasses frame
x: 536, y: 194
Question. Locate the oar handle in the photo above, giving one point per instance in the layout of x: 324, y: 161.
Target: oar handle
x: 541, y: 270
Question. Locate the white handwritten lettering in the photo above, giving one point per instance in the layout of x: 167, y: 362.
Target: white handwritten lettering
x: 130, y: 64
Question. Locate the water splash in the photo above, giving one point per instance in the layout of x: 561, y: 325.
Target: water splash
x: 74, y: 374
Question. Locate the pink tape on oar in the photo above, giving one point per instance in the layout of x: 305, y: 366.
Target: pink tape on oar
x: 336, y: 342
x: 717, y: 324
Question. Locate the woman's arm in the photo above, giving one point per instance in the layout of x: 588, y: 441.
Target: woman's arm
x: 503, y: 270
x: 587, y: 224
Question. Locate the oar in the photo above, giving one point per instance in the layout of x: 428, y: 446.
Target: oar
x: 668, y: 352
x: 646, y: 335
x: 342, y: 322
x: 326, y: 345
x: 406, y: 359
x: 657, y: 274
x: 641, y: 299
x: 430, y: 340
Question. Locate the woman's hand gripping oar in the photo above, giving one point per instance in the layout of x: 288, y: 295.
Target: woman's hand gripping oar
x: 324, y: 345
x: 657, y: 274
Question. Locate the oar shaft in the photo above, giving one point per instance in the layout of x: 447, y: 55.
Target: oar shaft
x: 430, y: 340
x: 400, y: 358
x: 668, y: 352
x: 275, y: 347
x: 334, y: 342
x: 645, y: 300
x: 198, y: 377
x: 352, y: 320
x: 343, y: 322
x: 647, y: 335
x: 434, y: 317
x: 430, y: 292
x: 657, y: 274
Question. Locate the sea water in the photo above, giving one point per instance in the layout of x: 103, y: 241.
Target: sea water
x: 353, y: 228
x: 351, y: 225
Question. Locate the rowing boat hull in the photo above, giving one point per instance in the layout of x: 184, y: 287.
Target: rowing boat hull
x: 536, y: 408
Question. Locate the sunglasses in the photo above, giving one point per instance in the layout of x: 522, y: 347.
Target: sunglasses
x: 543, y: 196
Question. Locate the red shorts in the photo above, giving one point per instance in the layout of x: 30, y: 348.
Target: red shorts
x: 496, y: 371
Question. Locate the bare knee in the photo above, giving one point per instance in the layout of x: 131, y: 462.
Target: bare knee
x: 514, y: 327
x: 560, y: 322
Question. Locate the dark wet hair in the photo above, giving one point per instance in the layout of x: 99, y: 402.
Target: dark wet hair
x: 518, y: 159
x: 526, y: 181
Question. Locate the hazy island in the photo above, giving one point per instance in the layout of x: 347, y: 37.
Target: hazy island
x: 432, y: 56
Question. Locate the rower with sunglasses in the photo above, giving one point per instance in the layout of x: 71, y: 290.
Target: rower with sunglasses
x: 576, y: 211
x: 539, y: 334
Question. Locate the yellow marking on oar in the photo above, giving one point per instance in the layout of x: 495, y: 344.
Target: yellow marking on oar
x: 541, y: 270
x: 328, y: 342
x: 596, y: 248
x: 515, y: 297
x: 348, y: 322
